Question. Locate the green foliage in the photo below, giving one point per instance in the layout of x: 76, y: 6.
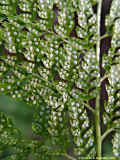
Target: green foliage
x: 49, y: 61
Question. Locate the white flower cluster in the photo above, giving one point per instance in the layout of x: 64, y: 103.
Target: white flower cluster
x: 81, y: 33
x: 116, y: 36
x: 84, y: 12
x: 56, y: 116
x: 10, y: 45
x: 24, y: 5
x: 80, y: 82
x: 116, y: 144
x: 79, y: 124
x: 112, y: 106
x: 4, y: 1
x: 48, y: 4
x: 35, y: 82
x: 43, y: 14
x: 5, y: 9
x: 45, y: 4
x: 114, y: 12
x: 82, y: 19
x: 2, y: 68
x: 91, y: 62
x: 114, y: 75
x: 44, y: 73
x: 25, y: 17
x: 111, y: 99
x: 74, y: 120
x: 65, y: 18
x: 29, y: 67
x: 60, y: 30
x: 10, y: 60
x: 106, y: 117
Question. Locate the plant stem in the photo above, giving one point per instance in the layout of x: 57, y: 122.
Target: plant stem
x: 98, y: 128
x: 98, y: 28
x: 90, y: 108
x: 97, y: 109
x: 106, y: 133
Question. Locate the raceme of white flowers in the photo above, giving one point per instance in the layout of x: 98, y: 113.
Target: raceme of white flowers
x: 50, y: 63
x: 114, y: 12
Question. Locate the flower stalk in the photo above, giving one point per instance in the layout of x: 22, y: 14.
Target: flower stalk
x: 97, y: 109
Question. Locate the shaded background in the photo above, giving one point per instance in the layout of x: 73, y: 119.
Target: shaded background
x: 20, y: 112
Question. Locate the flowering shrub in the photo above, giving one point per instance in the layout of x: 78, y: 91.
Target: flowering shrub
x: 51, y: 57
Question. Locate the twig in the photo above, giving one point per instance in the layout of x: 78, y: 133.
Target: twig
x: 102, y: 79
x: 104, y: 36
x: 106, y: 133
x: 90, y: 108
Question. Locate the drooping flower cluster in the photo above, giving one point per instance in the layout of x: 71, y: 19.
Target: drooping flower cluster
x: 112, y: 68
x: 48, y: 59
